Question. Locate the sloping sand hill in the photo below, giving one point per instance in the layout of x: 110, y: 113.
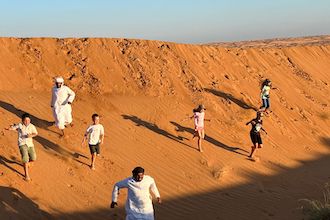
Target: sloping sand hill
x: 145, y: 91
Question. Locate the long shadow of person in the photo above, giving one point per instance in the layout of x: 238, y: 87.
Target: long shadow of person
x: 209, y: 139
x: 4, y: 161
x: 230, y: 97
x: 15, y: 205
x: 153, y: 127
x: 49, y: 145
x: 41, y: 123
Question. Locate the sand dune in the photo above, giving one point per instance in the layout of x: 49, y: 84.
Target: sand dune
x: 144, y: 91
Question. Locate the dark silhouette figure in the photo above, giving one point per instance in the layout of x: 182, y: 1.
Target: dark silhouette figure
x: 153, y: 127
x: 209, y: 139
x: 15, y: 205
x: 230, y: 97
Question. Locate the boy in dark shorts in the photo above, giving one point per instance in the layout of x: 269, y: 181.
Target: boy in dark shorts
x: 95, y: 136
x: 26, y: 131
x: 255, y: 133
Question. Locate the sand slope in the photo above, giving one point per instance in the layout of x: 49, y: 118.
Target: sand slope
x: 144, y: 91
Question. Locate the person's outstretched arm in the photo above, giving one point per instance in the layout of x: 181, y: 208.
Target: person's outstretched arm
x: 249, y: 122
x: 155, y: 191
x: 12, y: 127
x: 85, y: 137
x: 264, y: 130
x: 71, y: 94
x: 115, y: 191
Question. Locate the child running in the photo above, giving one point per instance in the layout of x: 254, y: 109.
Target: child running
x: 95, y: 135
x: 199, y: 114
x: 255, y: 133
x: 26, y: 131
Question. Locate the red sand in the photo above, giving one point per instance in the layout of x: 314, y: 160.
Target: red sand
x: 143, y: 90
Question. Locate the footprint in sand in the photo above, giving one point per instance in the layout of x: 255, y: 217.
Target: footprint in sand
x: 254, y: 159
x: 220, y: 173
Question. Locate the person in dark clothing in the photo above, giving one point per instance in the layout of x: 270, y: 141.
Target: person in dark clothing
x: 255, y: 136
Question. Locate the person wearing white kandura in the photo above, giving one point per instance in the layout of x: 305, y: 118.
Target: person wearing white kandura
x: 139, y: 201
x: 62, y: 98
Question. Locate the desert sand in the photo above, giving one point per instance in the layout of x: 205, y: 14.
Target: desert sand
x: 144, y: 92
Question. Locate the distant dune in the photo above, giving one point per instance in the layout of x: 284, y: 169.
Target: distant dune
x: 278, y: 42
x: 145, y: 91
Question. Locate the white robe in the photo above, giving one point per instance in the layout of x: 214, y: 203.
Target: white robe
x: 61, y: 109
x: 139, y: 201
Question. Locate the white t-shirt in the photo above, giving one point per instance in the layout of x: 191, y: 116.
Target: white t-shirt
x: 199, y: 119
x: 23, y: 131
x: 94, y: 132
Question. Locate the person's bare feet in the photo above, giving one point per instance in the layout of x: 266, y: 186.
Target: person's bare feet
x: 92, y: 167
x: 27, y: 179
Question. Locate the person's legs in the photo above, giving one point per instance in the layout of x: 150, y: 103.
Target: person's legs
x: 267, y: 106
x: 259, y: 141
x: 93, y: 161
x: 254, y: 142
x: 32, y: 155
x: 60, y: 115
x: 97, y: 150
x: 200, y: 137
x: 68, y: 115
x: 92, y: 149
x: 25, y: 159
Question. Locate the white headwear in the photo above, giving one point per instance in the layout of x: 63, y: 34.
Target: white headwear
x: 59, y: 79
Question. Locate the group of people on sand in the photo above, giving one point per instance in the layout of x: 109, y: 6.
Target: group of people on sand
x: 256, y: 123
x: 139, y: 200
x: 62, y: 98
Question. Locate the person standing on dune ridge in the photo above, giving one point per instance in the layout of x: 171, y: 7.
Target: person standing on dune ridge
x: 62, y: 98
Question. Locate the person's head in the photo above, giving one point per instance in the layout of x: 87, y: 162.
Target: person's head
x: 138, y: 174
x: 59, y: 81
x: 26, y: 119
x: 265, y: 83
x: 201, y: 108
x: 260, y: 115
x: 96, y: 118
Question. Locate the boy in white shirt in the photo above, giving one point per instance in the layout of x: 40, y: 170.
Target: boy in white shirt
x: 26, y: 131
x: 95, y: 136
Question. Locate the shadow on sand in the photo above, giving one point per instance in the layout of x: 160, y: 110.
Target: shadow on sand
x: 261, y: 196
x: 230, y: 97
x: 211, y: 140
x: 153, y: 127
x: 4, y: 161
x: 15, y: 205
x: 41, y: 123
